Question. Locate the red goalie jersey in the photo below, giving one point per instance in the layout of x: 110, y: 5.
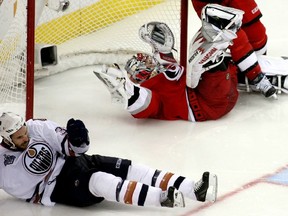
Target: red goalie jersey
x: 165, y: 95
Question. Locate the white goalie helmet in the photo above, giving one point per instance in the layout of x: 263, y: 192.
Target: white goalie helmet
x: 220, y: 22
x: 141, y: 67
x: 9, y: 124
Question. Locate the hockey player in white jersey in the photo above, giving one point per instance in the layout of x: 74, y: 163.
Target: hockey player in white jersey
x: 42, y: 162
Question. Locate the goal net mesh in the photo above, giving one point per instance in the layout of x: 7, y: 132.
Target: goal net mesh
x: 88, y: 32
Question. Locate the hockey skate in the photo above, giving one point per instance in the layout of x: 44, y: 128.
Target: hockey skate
x: 276, y: 71
x: 206, y: 188
x: 117, y: 82
x: 174, y: 198
x: 265, y: 87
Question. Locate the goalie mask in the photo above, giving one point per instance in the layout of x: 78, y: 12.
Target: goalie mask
x: 141, y: 67
x: 10, y: 123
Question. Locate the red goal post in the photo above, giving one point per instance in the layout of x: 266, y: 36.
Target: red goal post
x: 88, y: 32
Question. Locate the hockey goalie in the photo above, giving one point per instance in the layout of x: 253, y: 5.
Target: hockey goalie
x: 156, y: 86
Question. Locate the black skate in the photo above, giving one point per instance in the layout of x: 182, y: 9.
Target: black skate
x: 206, y: 188
x: 174, y: 198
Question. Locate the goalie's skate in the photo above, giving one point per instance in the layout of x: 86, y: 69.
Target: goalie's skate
x: 115, y: 80
x: 174, y: 198
x: 206, y: 188
x: 275, y: 69
x: 265, y: 87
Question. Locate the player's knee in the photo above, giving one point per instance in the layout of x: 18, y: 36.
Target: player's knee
x: 104, y: 185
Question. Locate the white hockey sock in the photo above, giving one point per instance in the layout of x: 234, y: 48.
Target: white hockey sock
x: 114, y: 189
x: 161, y: 179
x: 136, y: 193
x: 104, y: 185
x: 141, y: 173
x: 187, y: 188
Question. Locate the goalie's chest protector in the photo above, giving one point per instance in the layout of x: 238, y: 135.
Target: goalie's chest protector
x: 23, y: 173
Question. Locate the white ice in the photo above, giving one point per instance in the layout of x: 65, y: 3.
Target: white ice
x: 247, y: 149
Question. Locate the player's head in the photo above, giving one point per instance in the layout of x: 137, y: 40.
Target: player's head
x: 13, y: 131
x: 141, y: 67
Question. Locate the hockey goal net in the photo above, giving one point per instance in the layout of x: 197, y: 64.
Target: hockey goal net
x: 88, y: 32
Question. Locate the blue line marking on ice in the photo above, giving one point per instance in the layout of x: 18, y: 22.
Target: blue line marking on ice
x: 279, y: 178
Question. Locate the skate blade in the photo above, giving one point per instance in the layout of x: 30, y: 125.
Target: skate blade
x: 211, y: 195
x: 274, y: 96
x: 179, y: 200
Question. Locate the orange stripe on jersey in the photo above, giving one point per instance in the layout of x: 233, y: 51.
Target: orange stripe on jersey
x: 165, y: 180
x: 129, y: 192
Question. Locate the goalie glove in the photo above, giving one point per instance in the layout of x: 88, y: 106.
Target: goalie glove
x: 77, y: 133
x: 158, y: 35
x: 58, y: 5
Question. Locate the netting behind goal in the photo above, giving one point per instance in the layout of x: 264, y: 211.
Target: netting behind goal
x: 13, y: 46
x: 89, y: 32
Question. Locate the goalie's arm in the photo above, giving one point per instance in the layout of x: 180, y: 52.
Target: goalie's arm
x: 160, y: 37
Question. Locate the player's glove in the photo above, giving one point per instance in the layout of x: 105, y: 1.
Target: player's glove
x: 77, y: 132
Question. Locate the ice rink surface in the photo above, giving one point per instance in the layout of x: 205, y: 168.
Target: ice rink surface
x: 247, y: 149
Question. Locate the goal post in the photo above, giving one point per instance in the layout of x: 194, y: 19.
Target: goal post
x: 30, y: 60
x: 39, y: 41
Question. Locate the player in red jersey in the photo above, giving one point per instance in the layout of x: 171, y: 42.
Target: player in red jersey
x: 161, y: 92
x: 251, y: 41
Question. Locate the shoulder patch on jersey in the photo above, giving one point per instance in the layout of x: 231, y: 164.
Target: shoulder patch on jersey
x: 38, y: 158
x: 8, y: 159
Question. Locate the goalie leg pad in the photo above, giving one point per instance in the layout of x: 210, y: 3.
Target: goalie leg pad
x: 203, y: 56
x: 220, y: 23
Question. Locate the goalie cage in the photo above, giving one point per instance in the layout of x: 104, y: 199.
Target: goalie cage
x: 89, y: 32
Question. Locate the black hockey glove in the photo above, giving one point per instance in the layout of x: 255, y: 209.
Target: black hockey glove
x: 77, y: 132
